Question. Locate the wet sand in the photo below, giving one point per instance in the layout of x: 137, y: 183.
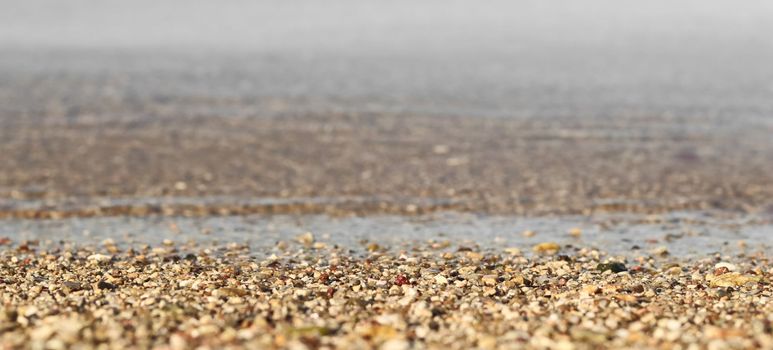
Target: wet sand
x: 388, y: 163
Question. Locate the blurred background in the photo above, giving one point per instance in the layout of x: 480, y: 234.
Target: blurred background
x: 514, y: 105
x: 509, y: 58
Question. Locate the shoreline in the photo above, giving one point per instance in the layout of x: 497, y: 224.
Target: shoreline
x: 683, y: 234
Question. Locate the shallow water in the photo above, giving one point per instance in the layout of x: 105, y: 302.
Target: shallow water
x: 76, y: 203
x: 684, y: 234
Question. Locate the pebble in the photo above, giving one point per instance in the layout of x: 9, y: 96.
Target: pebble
x: 659, y: 251
x: 440, y: 279
x: 513, y: 251
x: 106, y: 285
x: 73, y: 286
x: 489, y: 280
x: 611, y: 266
x: 99, y: 258
x: 732, y: 279
x: 417, y: 298
x: 306, y: 239
x: 547, y: 248
x: 575, y: 232
x: 726, y: 265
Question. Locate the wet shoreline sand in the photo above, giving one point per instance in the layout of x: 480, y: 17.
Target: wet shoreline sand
x: 487, y: 165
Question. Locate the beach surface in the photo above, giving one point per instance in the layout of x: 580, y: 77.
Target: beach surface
x: 267, y: 175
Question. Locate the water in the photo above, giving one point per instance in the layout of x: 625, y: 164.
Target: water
x: 684, y: 234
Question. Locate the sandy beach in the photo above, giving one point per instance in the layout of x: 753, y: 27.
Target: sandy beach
x: 394, y: 175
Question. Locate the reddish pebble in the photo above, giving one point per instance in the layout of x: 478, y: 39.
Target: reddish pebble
x: 401, y: 279
x: 330, y: 292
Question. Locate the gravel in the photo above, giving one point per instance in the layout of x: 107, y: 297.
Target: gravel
x: 318, y: 296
